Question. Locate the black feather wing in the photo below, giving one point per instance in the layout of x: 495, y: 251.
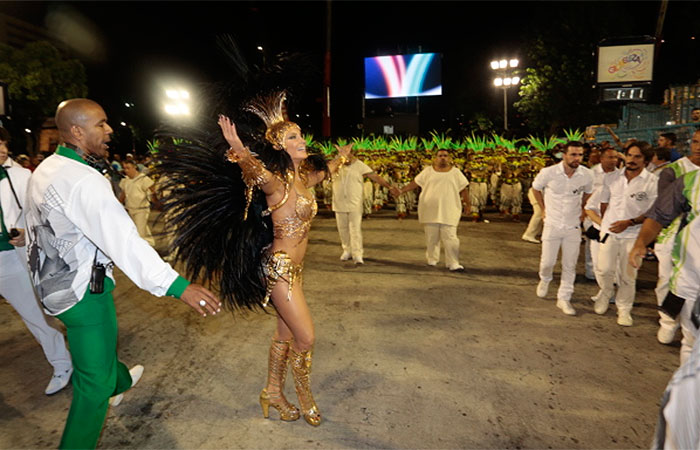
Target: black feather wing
x: 204, y: 212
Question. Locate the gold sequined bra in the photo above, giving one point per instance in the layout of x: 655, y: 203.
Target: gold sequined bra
x: 298, y: 224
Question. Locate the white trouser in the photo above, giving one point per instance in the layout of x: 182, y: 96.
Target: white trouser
x: 612, y: 258
x: 447, y: 234
x: 16, y: 287
x: 512, y: 197
x: 478, y: 195
x: 140, y: 218
x: 535, y: 224
x: 590, y: 266
x: 570, y: 242
x: 367, y: 197
x: 663, y: 254
x: 350, y: 230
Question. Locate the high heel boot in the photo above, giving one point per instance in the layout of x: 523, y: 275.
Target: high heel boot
x: 276, y: 374
x: 301, y: 370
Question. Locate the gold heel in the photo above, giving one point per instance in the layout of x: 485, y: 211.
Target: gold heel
x: 273, y: 395
x: 301, y: 370
x: 265, y: 403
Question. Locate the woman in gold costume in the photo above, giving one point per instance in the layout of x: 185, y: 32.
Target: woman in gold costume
x: 291, y: 208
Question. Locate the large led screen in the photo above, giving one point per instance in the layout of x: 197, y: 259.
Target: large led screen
x: 625, y: 63
x: 413, y: 75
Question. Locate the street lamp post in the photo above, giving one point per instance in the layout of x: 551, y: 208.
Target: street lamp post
x: 505, y: 71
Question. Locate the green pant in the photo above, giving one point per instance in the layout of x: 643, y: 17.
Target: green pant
x: 97, y: 374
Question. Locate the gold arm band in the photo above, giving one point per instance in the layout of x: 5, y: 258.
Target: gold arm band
x: 254, y: 174
x: 335, y: 165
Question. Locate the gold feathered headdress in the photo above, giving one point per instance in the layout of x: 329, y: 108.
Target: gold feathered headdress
x: 269, y: 109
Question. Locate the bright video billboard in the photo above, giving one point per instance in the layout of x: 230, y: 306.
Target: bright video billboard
x: 414, y: 75
x: 625, y: 63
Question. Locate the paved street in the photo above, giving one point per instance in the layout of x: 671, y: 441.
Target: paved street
x: 407, y: 356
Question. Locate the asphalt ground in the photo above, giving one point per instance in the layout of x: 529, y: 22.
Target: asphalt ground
x: 407, y: 356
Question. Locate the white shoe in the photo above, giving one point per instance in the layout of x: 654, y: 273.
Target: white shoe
x: 432, y: 263
x: 529, y: 239
x: 565, y: 306
x: 135, y: 373
x: 359, y: 261
x: 590, y: 276
x: 624, y: 319
x: 345, y: 256
x: 601, y: 304
x: 456, y: 268
x: 665, y: 335
x: 542, y: 288
x: 58, y: 381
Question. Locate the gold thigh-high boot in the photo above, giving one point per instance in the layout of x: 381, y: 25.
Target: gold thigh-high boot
x: 301, y: 370
x: 276, y: 374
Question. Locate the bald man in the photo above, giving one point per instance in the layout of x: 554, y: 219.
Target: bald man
x: 77, y: 232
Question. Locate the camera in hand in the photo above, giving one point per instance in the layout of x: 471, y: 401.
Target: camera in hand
x: 14, y: 232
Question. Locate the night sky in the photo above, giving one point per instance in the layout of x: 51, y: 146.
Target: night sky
x: 145, y: 44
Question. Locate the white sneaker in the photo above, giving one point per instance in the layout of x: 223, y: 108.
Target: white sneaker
x: 601, y: 304
x: 529, y: 239
x: 456, y: 268
x: 542, y: 288
x: 432, y: 263
x: 624, y: 319
x: 665, y: 335
x: 345, y: 256
x: 565, y: 306
x: 58, y: 381
x: 135, y: 373
x: 359, y: 261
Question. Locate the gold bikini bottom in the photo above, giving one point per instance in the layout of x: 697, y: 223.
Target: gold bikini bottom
x: 280, y: 265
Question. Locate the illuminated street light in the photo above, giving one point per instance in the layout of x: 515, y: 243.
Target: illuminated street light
x: 28, y: 131
x: 260, y: 47
x: 122, y: 124
x: 178, y: 104
x: 506, y: 78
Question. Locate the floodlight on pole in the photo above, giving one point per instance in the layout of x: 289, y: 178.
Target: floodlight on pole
x: 505, y: 68
x: 177, y: 103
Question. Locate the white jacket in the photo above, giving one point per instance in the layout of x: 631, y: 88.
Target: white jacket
x: 71, y: 212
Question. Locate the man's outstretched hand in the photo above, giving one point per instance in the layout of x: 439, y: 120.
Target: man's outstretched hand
x: 201, y: 300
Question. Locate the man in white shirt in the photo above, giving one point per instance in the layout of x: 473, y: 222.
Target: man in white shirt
x: 15, y: 284
x: 136, y: 191
x: 440, y: 209
x: 77, y: 232
x: 680, y: 200
x: 348, y: 205
x: 625, y: 198
x: 566, y: 187
x: 608, y: 164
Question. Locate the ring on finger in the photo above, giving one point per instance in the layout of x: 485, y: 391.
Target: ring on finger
x: 202, y: 303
